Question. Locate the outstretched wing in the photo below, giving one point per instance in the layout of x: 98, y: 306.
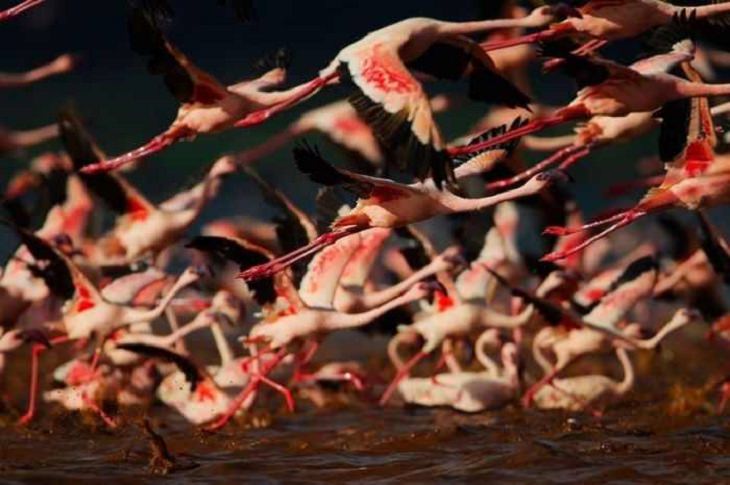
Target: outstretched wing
x: 60, y: 274
x: 192, y: 372
x: 393, y: 103
x: 319, y: 170
x: 183, y: 79
x: 245, y: 254
x: 634, y: 284
x: 113, y: 189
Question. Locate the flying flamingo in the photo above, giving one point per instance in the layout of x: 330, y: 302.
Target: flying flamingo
x: 85, y: 311
x: 389, y: 96
x: 608, y: 20
x: 18, y: 9
x: 384, y: 203
x: 613, y: 90
x: 469, y: 392
x: 207, y: 106
x: 310, y: 313
x: 695, y: 176
x: 60, y: 65
x: 142, y: 226
x: 589, y: 391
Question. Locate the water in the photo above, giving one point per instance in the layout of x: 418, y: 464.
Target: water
x: 665, y: 431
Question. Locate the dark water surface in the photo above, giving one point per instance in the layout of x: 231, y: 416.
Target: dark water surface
x: 376, y: 446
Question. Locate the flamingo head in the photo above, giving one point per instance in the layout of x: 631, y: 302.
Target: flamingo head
x: 225, y: 165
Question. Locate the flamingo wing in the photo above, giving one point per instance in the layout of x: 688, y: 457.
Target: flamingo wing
x: 113, y: 189
x: 245, y: 254
x: 455, y: 58
x: 482, y: 161
x: 714, y: 246
x: 319, y: 170
x: 62, y: 277
x: 394, y: 104
x: 319, y: 284
x: 294, y: 227
x: 184, y: 80
x: 635, y: 283
x: 193, y: 374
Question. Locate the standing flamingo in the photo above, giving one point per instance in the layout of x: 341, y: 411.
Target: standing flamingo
x: 469, y: 392
x: 587, y: 392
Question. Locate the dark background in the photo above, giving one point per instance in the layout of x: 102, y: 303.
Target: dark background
x: 124, y: 106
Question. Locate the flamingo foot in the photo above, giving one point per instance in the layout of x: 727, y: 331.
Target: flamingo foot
x: 402, y: 374
x: 274, y: 266
x: 155, y: 145
x: 18, y: 9
x: 100, y: 412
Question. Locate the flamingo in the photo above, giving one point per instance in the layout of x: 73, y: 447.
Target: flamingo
x: 85, y: 311
x: 384, y: 203
x: 613, y: 90
x: 60, y: 65
x: 390, y: 98
x: 608, y: 20
x: 207, y: 106
x: 21, y: 7
x: 469, y: 392
x: 695, y: 176
x: 589, y: 391
x: 143, y: 227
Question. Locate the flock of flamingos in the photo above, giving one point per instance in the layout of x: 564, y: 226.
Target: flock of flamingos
x: 468, y: 312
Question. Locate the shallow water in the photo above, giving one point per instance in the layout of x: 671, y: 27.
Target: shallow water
x: 376, y: 446
x: 665, y: 431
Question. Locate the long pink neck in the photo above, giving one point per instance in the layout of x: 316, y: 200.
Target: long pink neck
x: 466, y: 28
x: 711, y: 10
x: 271, y: 145
x: 353, y: 320
x: 375, y: 299
x: 696, y: 90
x: 133, y: 315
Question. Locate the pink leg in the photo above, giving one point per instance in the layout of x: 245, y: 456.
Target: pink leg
x: 530, y: 394
x: 625, y: 187
x: 280, y: 389
x: 545, y: 35
x: 574, y: 157
x: 155, y: 145
x: 247, y: 391
x: 269, y: 269
x: 95, y: 408
x: 18, y: 9
x: 402, y: 374
x: 725, y: 389
x: 561, y: 116
x: 539, y: 167
x: 628, y: 218
x: 35, y: 356
x: 302, y: 359
x: 258, y: 117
